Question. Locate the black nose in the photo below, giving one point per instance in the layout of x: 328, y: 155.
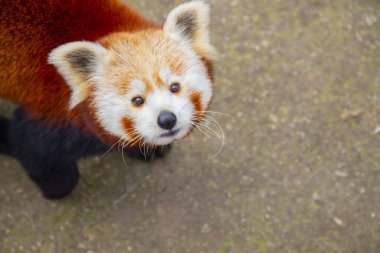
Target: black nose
x: 166, y: 120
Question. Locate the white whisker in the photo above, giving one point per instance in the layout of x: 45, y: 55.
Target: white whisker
x: 122, y: 155
x: 201, y: 130
x: 222, y: 113
x: 220, y: 136
x: 117, y: 142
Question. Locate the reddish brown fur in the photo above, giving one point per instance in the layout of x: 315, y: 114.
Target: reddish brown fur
x: 148, y: 85
x: 209, y: 68
x: 30, y: 29
x: 130, y: 129
x: 157, y: 79
x: 195, y: 99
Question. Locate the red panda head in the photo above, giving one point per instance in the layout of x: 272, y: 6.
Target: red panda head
x: 147, y: 86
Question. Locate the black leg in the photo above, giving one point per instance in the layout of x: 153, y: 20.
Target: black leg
x: 49, y: 153
x: 45, y: 154
x: 55, y: 181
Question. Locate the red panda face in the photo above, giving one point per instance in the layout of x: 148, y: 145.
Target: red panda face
x: 153, y: 94
x: 148, y: 86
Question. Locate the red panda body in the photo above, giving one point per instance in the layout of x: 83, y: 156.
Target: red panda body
x: 91, y: 75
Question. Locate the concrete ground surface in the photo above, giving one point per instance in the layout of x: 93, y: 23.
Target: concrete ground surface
x: 300, y: 168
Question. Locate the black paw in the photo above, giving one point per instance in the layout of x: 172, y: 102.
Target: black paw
x: 150, y: 154
x: 58, y: 181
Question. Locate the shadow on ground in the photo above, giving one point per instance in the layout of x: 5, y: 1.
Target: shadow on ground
x: 300, y: 169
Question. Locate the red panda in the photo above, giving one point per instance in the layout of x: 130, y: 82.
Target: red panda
x: 92, y: 74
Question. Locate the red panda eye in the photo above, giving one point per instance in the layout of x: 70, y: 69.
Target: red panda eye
x: 138, y: 101
x: 175, y: 87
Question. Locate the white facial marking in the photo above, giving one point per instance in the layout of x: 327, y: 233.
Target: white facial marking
x: 110, y: 107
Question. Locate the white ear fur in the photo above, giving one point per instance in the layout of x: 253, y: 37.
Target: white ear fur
x: 189, y: 22
x: 78, y: 62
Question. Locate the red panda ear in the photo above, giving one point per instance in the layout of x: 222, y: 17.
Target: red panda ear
x: 189, y: 23
x: 78, y: 62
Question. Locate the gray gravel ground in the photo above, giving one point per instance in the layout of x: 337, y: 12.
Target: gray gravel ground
x: 300, y: 168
